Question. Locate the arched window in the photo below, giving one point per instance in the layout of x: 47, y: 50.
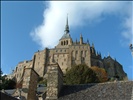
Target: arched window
x: 61, y: 42
x: 76, y: 54
x: 64, y: 42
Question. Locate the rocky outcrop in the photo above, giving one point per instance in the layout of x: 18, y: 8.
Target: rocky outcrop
x: 113, y: 68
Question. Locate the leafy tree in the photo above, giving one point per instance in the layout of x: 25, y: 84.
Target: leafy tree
x: 80, y: 74
x: 1, y: 72
x: 101, y: 73
x: 6, y: 83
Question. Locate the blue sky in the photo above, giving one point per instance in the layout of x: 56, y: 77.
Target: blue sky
x: 30, y: 26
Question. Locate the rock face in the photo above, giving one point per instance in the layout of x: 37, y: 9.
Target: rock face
x: 103, y: 91
x: 113, y: 68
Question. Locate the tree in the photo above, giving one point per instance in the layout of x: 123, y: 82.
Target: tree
x: 101, y: 73
x: 6, y: 83
x: 1, y: 73
x: 80, y: 74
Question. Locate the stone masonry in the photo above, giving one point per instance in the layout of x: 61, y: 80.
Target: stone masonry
x: 29, y: 85
x: 54, y: 81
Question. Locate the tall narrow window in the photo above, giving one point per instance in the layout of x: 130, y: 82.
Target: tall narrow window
x: 76, y: 53
x: 66, y: 42
x: 85, y: 53
x: 61, y: 42
x: 81, y: 53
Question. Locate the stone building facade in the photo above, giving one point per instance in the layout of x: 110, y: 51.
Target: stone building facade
x: 68, y: 53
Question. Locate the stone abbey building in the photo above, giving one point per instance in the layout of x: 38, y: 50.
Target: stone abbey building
x: 68, y: 53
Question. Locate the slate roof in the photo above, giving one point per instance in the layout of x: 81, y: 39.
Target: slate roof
x: 66, y: 36
x: 6, y: 97
x: 102, y: 91
x: 10, y: 92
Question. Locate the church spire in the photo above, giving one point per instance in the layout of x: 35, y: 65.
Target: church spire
x: 67, y: 26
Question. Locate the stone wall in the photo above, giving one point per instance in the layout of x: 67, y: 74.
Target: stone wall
x: 54, y: 81
x: 29, y: 85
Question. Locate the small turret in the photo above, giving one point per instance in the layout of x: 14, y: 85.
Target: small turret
x: 88, y: 42
x: 93, y: 49
x: 81, y: 39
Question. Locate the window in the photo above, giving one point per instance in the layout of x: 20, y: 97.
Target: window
x: 64, y: 50
x: 60, y: 50
x: 61, y: 42
x: 82, y: 60
x: 64, y: 42
x: 62, y: 63
x: 64, y: 59
x: 85, y: 53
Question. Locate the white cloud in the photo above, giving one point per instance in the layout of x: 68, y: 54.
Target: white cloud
x: 80, y: 13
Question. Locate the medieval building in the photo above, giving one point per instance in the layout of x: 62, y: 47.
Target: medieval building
x: 68, y: 53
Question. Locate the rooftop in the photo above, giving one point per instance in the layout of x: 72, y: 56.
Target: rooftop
x: 103, y: 91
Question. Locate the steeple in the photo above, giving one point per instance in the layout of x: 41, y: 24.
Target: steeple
x: 67, y: 26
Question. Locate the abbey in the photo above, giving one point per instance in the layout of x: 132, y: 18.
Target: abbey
x: 68, y: 53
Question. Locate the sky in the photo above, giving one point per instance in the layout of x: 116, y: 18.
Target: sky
x: 29, y: 26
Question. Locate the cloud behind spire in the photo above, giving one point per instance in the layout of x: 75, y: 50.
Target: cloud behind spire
x: 80, y: 14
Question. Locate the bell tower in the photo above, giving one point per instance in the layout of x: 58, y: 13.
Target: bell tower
x: 66, y: 39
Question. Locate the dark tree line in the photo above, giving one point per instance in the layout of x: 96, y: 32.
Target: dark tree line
x: 6, y: 83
